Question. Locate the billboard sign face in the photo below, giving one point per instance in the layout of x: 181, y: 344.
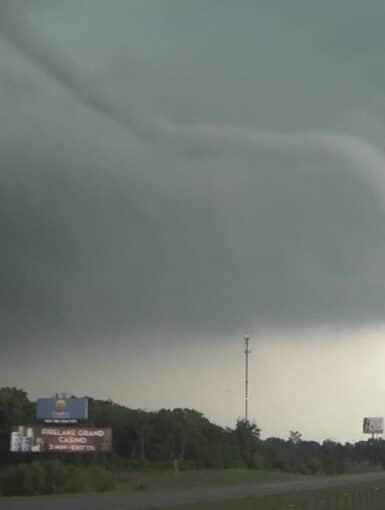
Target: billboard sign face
x: 61, y: 439
x: 373, y: 425
x: 67, y: 410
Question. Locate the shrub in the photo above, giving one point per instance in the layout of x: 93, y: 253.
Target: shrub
x: 77, y: 481
x: 141, y: 486
x: 314, y: 466
x: 100, y: 479
x: 39, y: 478
x: 258, y: 461
x: 52, y: 477
x: 18, y: 480
x: 57, y: 474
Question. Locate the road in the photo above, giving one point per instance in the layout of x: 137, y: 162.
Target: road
x: 167, y: 497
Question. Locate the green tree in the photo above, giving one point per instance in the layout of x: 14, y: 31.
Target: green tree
x: 295, y: 437
x: 248, y: 435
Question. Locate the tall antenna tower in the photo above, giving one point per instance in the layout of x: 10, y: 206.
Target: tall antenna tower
x: 247, y: 351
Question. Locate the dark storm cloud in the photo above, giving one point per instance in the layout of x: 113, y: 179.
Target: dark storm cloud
x: 15, y: 28
x: 205, y: 226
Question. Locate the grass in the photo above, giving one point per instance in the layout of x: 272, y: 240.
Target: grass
x: 365, y: 496
x: 332, y: 499
x: 132, y: 480
x: 356, y: 469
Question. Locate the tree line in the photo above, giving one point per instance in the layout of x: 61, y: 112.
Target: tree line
x: 159, y: 439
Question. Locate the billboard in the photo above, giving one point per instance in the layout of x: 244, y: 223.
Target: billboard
x: 373, y: 425
x: 60, y: 439
x: 56, y: 410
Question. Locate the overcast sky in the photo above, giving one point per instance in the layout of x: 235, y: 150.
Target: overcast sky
x: 175, y: 174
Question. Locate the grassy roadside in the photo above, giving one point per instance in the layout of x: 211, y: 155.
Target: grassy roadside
x: 190, y: 479
x: 128, y: 481
x: 362, y: 496
x: 134, y: 481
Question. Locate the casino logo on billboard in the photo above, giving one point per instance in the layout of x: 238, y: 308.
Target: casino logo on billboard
x: 61, y: 439
x: 61, y: 405
x: 61, y: 410
x: 373, y: 425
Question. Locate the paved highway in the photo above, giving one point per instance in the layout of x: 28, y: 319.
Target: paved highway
x: 167, y: 497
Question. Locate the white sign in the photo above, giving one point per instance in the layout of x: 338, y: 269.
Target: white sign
x: 373, y: 426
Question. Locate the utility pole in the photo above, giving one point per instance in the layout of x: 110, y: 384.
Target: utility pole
x: 247, y: 352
